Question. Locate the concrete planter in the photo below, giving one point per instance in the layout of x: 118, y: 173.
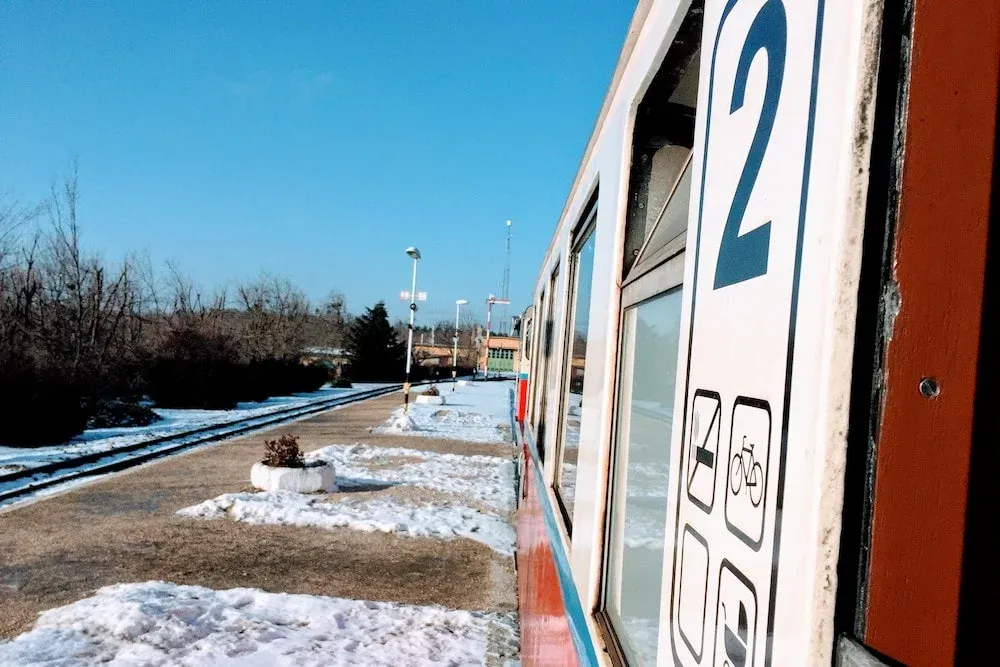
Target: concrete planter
x: 311, y: 478
x: 430, y: 400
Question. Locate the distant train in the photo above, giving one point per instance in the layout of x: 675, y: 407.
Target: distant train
x: 748, y: 379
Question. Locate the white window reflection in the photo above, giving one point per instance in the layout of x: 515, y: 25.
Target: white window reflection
x: 639, y: 496
x: 572, y: 409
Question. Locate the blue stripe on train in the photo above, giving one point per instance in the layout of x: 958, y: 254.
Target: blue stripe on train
x: 575, y: 615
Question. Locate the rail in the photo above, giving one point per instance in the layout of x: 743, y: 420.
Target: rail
x: 120, y: 458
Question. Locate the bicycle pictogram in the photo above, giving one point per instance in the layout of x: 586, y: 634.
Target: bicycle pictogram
x: 745, y: 471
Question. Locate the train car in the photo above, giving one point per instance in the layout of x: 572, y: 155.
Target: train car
x: 753, y: 434
x: 523, y: 330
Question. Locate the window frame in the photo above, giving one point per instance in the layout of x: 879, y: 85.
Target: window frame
x: 647, y: 260
x: 536, y: 363
x: 549, y: 341
x: 652, y: 273
x: 666, y: 277
x: 585, y: 230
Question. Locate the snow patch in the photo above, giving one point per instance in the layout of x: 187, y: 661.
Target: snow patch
x: 478, y: 412
x: 487, y: 482
x: 158, y: 623
x: 445, y: 521
x: 402, y: 422
x: 487, y: 479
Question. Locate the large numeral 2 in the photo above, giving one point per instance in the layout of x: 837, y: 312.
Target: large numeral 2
x: 745, y: 257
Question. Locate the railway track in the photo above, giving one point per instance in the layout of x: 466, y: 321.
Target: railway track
x: 16, y: 485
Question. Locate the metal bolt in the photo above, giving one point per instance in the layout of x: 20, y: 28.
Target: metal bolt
x: 929, y: 387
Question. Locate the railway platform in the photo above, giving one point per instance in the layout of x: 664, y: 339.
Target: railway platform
x: 169, y: 521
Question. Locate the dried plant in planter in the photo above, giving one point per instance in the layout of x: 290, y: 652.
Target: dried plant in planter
x: 432, y: 391
x: 283, y: 453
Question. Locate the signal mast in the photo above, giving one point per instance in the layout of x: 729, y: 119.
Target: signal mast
x: 505, y: 286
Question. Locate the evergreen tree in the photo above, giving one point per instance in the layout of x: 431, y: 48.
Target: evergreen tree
x: 376, y: 353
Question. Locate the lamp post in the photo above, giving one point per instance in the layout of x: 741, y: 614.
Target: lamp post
x: 454, y: 354
x: 415, y: 254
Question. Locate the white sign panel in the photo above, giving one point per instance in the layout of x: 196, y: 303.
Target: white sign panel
x: 781, y: 158
x: 753, y: 195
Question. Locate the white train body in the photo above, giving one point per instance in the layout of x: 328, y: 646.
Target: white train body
x: 694, y: 330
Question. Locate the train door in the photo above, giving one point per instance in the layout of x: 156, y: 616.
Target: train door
x: 636, y: 548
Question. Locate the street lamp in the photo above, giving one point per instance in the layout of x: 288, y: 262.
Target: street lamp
x: 415, y: 254
x: 454, y: 355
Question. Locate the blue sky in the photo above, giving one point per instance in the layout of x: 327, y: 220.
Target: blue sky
x: 314, y: 140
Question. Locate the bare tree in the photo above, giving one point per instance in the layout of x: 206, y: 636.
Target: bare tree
x: 75, y: 326
x: 91, y: 317
x: 275, y: 315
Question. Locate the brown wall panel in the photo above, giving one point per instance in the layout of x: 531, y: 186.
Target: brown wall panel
x: 924, y: 443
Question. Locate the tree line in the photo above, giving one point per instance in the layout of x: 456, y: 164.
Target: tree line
x: 83, y: 339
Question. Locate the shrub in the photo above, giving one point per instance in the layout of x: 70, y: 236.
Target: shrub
x: 432, y: 391
x: 283, y: 452
x: 197, y: 370
x: 342, y: 383
x: 114, y: 414
x: 188, y: 383
x: 39, y: 409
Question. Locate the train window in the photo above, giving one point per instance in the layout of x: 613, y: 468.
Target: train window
x: 534, y: 387
x: 638, y: 504
x: 666, y: 234
x: 661, y: 146
x: 578, y: 319
x: 527, y: 340
x: 652, y: 273
x: 548, y: 349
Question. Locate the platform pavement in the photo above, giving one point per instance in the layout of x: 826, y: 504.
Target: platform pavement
x: 124, y: 529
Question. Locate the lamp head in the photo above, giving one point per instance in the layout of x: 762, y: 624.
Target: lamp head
x: 461, y: 302
x: 413, y: 252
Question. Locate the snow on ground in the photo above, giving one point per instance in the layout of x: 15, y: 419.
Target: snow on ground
x: 475, y: 412
x: 157, y: 623
x: 487, y: 479
x: 438, y: 520
x: 479, y: 497
x: 174, y: 421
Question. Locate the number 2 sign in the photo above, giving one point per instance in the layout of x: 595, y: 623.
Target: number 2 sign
x: 760, y: 59
x: 743, y: 257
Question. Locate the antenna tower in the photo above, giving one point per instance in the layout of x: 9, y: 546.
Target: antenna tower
x: 505, y: 287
